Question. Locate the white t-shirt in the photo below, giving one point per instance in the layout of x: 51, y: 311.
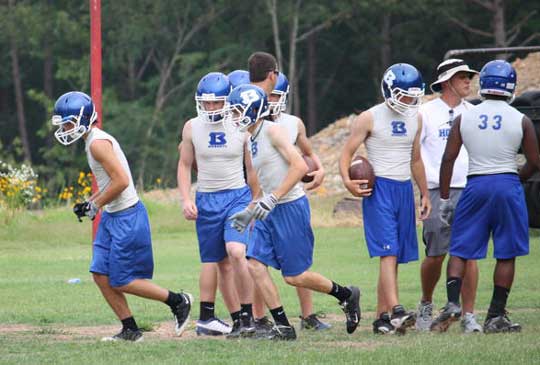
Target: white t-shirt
x: 436, y: 123
x: 492, y: 133
x: 390, y: 142
x: 128, y: 197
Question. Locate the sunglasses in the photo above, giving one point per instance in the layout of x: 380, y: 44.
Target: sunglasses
x: 275, y: 72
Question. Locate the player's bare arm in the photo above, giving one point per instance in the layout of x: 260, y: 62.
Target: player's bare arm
x: 451, y: 152
x: 360, y: 128
x: 302, y: 141
x: 187, y: 156
x: 102, y: 151
x: 297, y: 167
x: 419, y: 173
x: 529, y: 146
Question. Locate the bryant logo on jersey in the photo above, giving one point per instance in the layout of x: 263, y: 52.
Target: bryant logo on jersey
x: 217, y: 140
x: 398, y: 128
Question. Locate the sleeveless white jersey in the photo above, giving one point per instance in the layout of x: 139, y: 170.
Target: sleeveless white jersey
x: 270, y: 165
x: 220, y: 156
x: 389, y: 144
x: 492, y: 133
x: 437, y: 118
x: 291, y: 123
x: 129, y: 196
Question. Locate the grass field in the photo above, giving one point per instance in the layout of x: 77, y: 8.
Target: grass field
x: 43, y: 319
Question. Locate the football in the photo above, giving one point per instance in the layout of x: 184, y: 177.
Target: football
x: 361, y: 169
x: 311, y: 167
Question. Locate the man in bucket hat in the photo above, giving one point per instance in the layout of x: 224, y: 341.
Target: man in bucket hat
x: 453, y: 83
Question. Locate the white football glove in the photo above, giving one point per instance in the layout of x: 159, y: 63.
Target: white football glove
x: 264, y: 206
x: 240, y: 220
x: 446, y: 212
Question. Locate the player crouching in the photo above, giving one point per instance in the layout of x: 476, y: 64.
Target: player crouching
x: 122, y: 258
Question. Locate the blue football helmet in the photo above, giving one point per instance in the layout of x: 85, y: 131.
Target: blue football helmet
x: 281, y: 89
x: 238, y: 77
x: 403, y: 80
x: 73, y: 113
x: 213, y: 87
x: 498, y: 78
x: 246, y: 105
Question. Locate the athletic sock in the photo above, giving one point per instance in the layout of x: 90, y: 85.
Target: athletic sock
x: 173, y: 299
x: 279, y: 316
x: 206, y: 311
x: 246, y: 310
x: 498, y: 301
x: 453, y: 288
x: 129, y: 323
x: 341, y: 293
x: 235, y: 316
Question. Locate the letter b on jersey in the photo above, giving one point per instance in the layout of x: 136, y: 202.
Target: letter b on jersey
x: 217, y: 139
x: 398, y: 128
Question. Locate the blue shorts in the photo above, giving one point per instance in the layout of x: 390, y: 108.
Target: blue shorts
x: 389, y: 220
x: 491, y: 204
x: 123, y: 246
x: 213, y: 227
x: 284, y: 240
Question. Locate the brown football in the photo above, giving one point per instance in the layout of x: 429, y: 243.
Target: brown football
x: 311, y: 167
x: 361, y: 169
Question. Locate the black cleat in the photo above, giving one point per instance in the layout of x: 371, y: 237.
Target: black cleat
x: 126, y: 334
x: 263, y: 327
x: 351, y: 308
x: 382, y: 325
x: 312, y: 322
x: 282, y: 333
x: 181, y: 313
x: 500, y: 324
x: 235, y: 332
x: 451, y: 312
x: 401, y: 318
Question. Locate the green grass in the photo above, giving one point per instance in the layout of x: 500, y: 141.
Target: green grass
x: 40, y: 251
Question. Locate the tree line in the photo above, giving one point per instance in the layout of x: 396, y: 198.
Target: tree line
x: 155, y: 51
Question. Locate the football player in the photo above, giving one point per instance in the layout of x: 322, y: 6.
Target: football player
x: 493, y: 202
x: 122, y: 260
x: 282, y: 213
x: 221, y: 192
x: 391, y: 132
x: 296, y: 129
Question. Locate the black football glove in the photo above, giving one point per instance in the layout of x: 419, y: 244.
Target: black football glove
x: 88, y: 209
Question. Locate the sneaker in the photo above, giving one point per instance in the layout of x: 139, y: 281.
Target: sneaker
x: 181, y: 313
x: 351, y: 308
x: 401, y: 318
x: 450, y: 313
x: 242, y: 328
x: 126, y: 334
x: 469, y: 324
x: 312, y: 322
x: 212, y: 327
x: 500, y: 323
x: 263, y: 327
x: 382, y: 325
x: 424, y: 316
x: 282, y: 333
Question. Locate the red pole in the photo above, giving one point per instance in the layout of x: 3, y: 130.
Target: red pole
x: 95, y: 77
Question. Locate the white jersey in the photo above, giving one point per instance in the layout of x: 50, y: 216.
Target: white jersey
x: 270, y: 165
x: 437, y: 118
x: 389, y: 144
x: 492, y: 133
x: 220, y: 156
x: 291, y: 123
x: 128, y: 197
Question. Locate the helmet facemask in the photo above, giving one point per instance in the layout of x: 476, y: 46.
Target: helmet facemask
x: 210, y: 116
x: 277, y: 107
x: 79, y: 126
x: 406, y: 109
